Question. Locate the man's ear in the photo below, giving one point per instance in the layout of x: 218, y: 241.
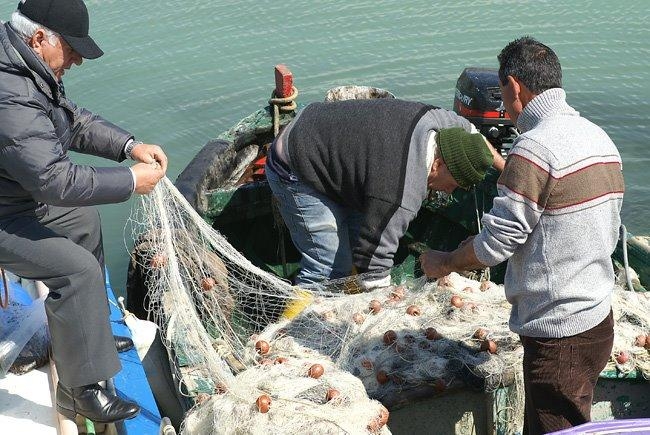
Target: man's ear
x: 520, y: 91
x: 515, y: 86
x: 437, y: 162
x: 37, y: 39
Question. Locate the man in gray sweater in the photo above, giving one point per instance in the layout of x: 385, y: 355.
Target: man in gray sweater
x: 556, y: 219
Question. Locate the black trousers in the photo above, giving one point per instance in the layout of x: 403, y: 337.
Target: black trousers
x: 560, y: 375
x: 63, y: 248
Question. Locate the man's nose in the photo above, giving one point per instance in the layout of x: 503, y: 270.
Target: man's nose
x: 77, y: 59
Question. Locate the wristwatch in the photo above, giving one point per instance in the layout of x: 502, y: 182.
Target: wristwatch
x: 128, y: 148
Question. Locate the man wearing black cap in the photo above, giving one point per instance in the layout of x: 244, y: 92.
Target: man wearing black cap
x: 48, y: 229
x: 349, y: 176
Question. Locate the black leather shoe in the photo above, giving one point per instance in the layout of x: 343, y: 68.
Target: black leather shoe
x: 122, y: 344
x: 93, y: 402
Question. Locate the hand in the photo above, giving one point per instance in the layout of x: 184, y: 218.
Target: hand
x: 147, y: 176
x: 147, y: 153
x: 434, y: 263
x: 499, y: 161
x: 470, y: 239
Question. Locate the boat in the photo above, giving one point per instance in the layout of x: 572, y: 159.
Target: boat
x: 26, y: 400
x: 225, y: 184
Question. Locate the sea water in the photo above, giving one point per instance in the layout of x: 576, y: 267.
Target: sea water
x: 177, y: 73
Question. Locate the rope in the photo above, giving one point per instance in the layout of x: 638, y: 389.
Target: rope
x: 278, y: 223
x: 485, y: 276
x: 287, y: 104
x: 4, y: 303
x: 626, y: 265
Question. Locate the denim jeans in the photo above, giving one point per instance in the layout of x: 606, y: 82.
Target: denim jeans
x: 322, y: 230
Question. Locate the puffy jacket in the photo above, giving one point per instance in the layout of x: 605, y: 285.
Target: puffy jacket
x: 38, y: 125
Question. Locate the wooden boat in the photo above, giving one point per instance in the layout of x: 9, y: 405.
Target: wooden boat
x: 225, y: 183
x: 26, y: 401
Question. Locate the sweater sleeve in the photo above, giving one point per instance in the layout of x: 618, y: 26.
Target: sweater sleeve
x: 524, y: 188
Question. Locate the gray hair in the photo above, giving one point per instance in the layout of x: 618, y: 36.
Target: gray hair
x: 26, y: 28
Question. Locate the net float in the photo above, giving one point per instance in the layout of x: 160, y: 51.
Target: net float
x: 332, y: 393
x: 158, y: 261
x: 382, y: 377
x: 489, y: 345
x: 262, y: 347
x: 390, y: 337
x: 413, y: 310
x: 481, y: 333
x: 316, y: 371
x: 263, y: 403
x: 358, y: 318
x: 431, y: 333
x: 375, y: 306
x: 397, y: 293
x: 379, y: 421
x: 208, y: 283
x: 640, y: 340
x: 485, y: 285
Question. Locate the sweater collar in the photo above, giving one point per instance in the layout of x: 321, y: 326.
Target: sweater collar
x: 548, y: 103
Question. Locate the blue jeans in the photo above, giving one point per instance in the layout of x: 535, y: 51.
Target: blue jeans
x: 322, y: 230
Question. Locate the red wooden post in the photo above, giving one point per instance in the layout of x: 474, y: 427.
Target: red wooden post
x: 283, y: 81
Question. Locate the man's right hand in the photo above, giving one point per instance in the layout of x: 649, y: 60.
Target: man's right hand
x: 147, y: 176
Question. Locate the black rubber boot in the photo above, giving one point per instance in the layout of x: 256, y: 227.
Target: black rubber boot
x: 93, y: 402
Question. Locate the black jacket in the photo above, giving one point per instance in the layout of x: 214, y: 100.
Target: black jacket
x: 38, y: 125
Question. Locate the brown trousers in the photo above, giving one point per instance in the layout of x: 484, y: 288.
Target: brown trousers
x: 560, y: 375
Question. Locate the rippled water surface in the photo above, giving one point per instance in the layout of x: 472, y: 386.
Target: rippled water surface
x: 179, y: 72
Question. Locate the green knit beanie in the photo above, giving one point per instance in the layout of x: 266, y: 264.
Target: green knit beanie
x: 466, y: 155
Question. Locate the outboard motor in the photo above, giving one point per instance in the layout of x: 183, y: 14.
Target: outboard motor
x: 478, y: 98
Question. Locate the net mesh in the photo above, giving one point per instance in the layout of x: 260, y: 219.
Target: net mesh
x: 258, y: 355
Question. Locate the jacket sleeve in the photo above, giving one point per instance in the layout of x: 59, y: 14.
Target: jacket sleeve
x: 382, y: 227
x: 524, y: 188
x: 92, y: 134
x: 32, y: 155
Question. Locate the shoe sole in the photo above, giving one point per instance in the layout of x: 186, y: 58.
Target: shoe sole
x: 70, y: 414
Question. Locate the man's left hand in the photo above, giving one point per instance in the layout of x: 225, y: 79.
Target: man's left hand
x: 148, y: 153
x: 436, y: 264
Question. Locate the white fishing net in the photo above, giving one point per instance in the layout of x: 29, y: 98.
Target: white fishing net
x: 258, y: 355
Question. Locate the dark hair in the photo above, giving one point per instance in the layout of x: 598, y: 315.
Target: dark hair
x: 532, y: 63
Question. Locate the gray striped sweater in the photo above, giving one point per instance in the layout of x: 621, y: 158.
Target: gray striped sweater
x: 556, y: 218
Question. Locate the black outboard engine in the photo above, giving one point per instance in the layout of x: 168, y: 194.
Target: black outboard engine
x: 478, y: 98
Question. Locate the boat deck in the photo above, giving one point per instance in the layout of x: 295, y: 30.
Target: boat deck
x: 26, y: 401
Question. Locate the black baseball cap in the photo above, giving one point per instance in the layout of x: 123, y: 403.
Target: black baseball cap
x: 68, y: 18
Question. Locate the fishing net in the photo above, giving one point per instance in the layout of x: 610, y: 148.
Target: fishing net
x: 24, y: 337
x: 258, y: 355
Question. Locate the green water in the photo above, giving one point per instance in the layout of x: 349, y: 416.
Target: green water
x: 179, y: 72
